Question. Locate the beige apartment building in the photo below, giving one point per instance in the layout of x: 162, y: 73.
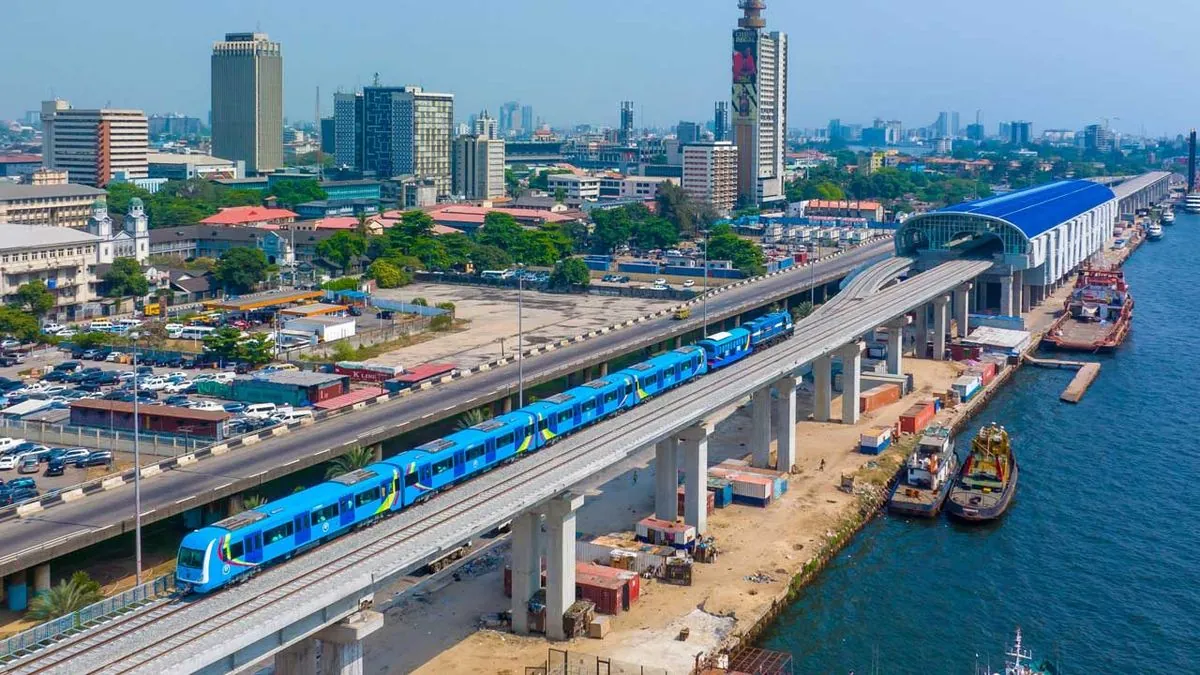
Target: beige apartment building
x: 63, y: 258
x: 710, y: 174
x: 61, y: 205
x: 247, y: 101
x: 93, y: 145
x: 478, y: 167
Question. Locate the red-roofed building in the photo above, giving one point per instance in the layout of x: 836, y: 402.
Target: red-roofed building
x: 252, y: 216
x: 844, y: 209
x: 466, y: 218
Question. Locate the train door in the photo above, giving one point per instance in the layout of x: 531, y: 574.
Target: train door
x: 385, y: 487
x: 345, y: 510
x: 577, y: 410
x: 460, y: 464
x: 254, y: 549
x: 490, y: 450
x: 303, y: 529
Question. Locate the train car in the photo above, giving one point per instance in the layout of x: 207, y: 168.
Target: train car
x: 722, y: 349
x: 770, y: 329
x: 234, y: 548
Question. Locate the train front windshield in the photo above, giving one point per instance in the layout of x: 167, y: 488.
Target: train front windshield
x: 190, y: 557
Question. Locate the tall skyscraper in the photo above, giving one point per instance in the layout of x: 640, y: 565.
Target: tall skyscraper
x: 721, y: 121
x: 710, y: 174
x: 408, y: 131
x: 485, y: 126
x: 625, y: 135
x: 941, y: 127
x: 528, y: 123
x: 247, y: 101
x: 955, y: 122
x: 1021, y: 133
x: 478, y: 167
x: 687, y: 132
x: 93, y: 145
x: 509, y: 122
x: 348, y: 124
x: 760, y: 102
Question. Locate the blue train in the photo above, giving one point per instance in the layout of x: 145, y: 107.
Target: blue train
x: 233, y: 549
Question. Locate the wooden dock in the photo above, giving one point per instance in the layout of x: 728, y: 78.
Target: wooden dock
x: 1088, y: 370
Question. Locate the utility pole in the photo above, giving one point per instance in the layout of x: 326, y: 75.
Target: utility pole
x: 137, y: 477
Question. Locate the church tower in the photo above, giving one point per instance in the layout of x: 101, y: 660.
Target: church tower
x: 101, y: 225
x: 137, y: 227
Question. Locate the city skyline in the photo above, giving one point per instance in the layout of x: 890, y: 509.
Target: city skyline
x: 848, y: 69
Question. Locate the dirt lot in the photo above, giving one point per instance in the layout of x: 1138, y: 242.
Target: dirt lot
x: 492, y: 312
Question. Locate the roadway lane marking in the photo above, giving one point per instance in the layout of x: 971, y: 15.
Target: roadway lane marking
x: 292, y: 462
x: 218, y: 488
x: 180, y: 501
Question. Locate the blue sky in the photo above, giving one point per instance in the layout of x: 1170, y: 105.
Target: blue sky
x: 1059, y: 63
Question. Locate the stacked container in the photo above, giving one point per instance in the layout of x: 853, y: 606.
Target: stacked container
x: 710, y: 500
x: 878, y: 397
x: 666, y: 533
x: 915, y: 419
x: 875, y: 440
x: 722, y: 491
x: 966, y: 387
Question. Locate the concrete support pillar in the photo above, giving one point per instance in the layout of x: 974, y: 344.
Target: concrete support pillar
x: 507, y: 406
x: 341, y: 643
x: 822, y: 369
x: 299, y: 659
x: 921, y: 331
x: 1007, y: 307
x: 785, y: 424
x: 737, y: 321
x: 895, y: 346
x: 41, y: 579
x: 678, y: 341
x: 16, y: 591
x: 694, y: 444
x: 526, y: 566
x: 377, y: 452
x: 851, y: 356
x: 237, y: 504
x: 604, y: 369
x: 941, y: 326
x: 560, y: 562
x: 760, y: 429
x: 962, y: 309
x: 666, y: 504
x: 1026, y: 297
x: 1018, y: 283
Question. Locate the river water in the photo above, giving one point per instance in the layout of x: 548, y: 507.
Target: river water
x: 1097, y: 560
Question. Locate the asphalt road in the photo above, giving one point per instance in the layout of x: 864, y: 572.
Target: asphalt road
x: 58, y: 530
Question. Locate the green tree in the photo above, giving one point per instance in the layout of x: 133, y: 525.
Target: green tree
x: 253, y: 501
x: 413, y: 225
x: 802, y: 310
x: 570, y: 273
x: 119, y: 195
x: 125, y: 279
x: 342, y: 248
x: 724, y: 244
x: 486, y: 257
x: 422, y: 302
x: 70, y: 595
x: 512, y: 184
x: 35, y: 297
x: 240, y: 269
x: 542, y: 180
x: 387, y: 275
x: 224, y: 343
x: 677, y: 208
x: 356, y: 459
x: 472, y: 417
x: 613, y: 228
x: 90, y: 339
x: 291, y: 193
x: 560, y: 195
x: 500, y: 230
x: 430, y: 252
x: 257, y: 350
x: 342, y: 284
x: 655, y: 232
x: 441, y: 323
x: 458, y: 248
x: 19, y: 324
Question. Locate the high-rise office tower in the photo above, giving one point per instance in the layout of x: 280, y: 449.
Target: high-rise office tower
x: 710, y: 174
x: 760, y: 103
x: 1020, y: 133
x: 485, y: 126
x: 955, y: 121
x: 509, y: 122
x: 93, y: 145
x: 528, y: 123
x: 408, y: 131
x: 478, y: 167
x: 247, y: 101
x: 687, y: 132
x: 941, y: 127
x: 721, y: 121
x: 348, y: 120
x: 625, y: 135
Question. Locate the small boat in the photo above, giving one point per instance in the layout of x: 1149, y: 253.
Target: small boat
x: 1020, y: 661
x: 927, y: 475
x: 1154, y: 232
x: 987, y: 480
x: 1168, y: 216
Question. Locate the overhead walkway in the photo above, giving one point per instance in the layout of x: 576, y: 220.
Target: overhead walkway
x: 284, y: 605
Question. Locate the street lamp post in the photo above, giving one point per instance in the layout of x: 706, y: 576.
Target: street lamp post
x: 137, y: 477
x: 704, y: 300
x: 520, y: 338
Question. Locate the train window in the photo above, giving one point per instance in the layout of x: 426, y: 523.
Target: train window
x: 565, y: 416
x: 443, y: 466
x: 366, y: 497
x: 190, y: 557
x: 504, y: 441
x: 628, y: 388
x: 474, y: 453
x: 542, y: 424
x: 589, y: 406
x: 410, y: 479
x: 610, y: 397
x: 236, y: 550
x: 277, y: 533
x: 323, y: 514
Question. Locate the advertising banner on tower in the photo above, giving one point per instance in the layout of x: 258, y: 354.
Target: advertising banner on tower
x: 745, y: 75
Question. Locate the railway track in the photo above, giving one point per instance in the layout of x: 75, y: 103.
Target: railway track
x: 367, y: 560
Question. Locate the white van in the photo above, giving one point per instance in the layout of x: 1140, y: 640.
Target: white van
x: 260, y: 410
x: 6, y: 443
x: 103, y: 325
x: 224, y: 377
x: 291, y: 416
x: 195, y: 332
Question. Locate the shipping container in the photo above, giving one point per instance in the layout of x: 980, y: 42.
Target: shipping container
x: 915, y: 419
x: 779, y: 479
x: 665, y: 533
x: 631, y: 580
x: 875, y: 437
x: 878, y: 397
x: 875, y: 449
x: 722, y: 491
x: 966, y: 387
x: 710, y: 499
x: 959, y: 352
x: 605, y: 592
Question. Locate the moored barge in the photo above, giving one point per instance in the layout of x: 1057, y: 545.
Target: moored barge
x: 1098, y: 314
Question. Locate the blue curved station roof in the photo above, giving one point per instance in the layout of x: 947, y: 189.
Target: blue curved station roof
x: 1037, y: 209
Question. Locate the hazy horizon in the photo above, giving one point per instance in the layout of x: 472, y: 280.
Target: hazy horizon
x: 1058, y: 65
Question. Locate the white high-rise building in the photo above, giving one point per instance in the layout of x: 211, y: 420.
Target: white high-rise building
x: 486, y: 126
x: 478, y: 167
x: 92, y: 146
x: 247, y: 101
x: 710, y: 174
x: 760, y: 105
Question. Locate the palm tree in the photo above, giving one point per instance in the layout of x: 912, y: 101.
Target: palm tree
x: 68, y: 596
x: 351, y: 461
x: 473, y: 417
x: 253, y: 501
x: 363, y: 224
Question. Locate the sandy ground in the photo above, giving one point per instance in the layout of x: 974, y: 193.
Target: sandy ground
x: 435, y: 631
x: 492, y: 313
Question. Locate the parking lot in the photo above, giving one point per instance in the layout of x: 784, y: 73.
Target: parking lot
x: 492, y: 313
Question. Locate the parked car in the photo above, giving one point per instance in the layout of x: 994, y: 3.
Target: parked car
x: 55, y: 467
x: 206, y: 405
x: 689, y: 283
x: 94, y: 458
x: 145, y: 370
x: 28, y: 464
x: 89, y: 354
x: 68, y: 366
x: 354, y: 310
x: 9, y: 343
x: 8, y: 361
x: 74, y: 455
x: 385, y: 315
x: 290, y: 416
x: 234, y: 408
x: 177, y: 399
x: 21, y: 484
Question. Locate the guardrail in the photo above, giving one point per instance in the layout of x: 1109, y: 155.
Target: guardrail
x: 41, y: 635
x: 115, y: 481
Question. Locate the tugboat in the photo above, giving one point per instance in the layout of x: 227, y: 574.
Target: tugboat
x: 988, y: 479
x: 1016, y: 664
x: 927, y: 477
x: 1154, y: 232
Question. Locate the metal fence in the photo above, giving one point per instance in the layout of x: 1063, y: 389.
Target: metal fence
x: 54, y: 629
x: 368, y: 337
x: 563, y: 662
x: 159, y: 445
x: 406, y: 307
x: 642, y: 562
